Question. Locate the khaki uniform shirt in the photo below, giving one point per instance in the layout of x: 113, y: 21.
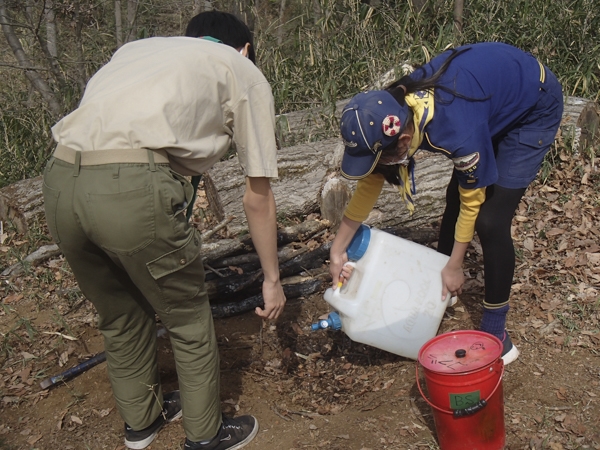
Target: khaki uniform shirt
x: 190, y: 97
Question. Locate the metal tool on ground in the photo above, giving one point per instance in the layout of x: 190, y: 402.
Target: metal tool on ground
x: 82, y: 367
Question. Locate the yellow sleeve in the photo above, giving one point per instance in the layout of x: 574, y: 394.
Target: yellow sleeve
x: 364, y: 197
x: 470, y: 202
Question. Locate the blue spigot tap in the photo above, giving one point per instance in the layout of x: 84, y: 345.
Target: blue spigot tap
x: 333, y: 321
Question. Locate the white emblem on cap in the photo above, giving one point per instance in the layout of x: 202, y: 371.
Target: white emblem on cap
x: 391, y: 125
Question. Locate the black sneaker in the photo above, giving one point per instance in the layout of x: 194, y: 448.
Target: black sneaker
x: 141, y: 439
x: 233, y: 434
x: 509, y: 350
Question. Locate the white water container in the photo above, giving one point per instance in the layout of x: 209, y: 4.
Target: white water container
x: 393, y: 300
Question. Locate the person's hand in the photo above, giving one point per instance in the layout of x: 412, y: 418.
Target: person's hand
x: 347, y: 270
x: 453, y: 279
x: 337, y: 268
x: 274, y: 300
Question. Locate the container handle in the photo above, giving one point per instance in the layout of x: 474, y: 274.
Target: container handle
x: 469, y: 410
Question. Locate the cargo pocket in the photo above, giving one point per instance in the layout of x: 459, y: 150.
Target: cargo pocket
x: 528, y: 157
x: 50, y: 207
x: 123, y: 222
x: 179, y: 274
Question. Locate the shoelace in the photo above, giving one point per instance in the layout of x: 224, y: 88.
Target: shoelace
x: 232, y: 425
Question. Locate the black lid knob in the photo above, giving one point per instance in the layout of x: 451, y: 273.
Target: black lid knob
x: 460, y: 353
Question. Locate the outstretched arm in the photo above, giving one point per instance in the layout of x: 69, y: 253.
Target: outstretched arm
x: 259, y: 205
x: 453, y: 276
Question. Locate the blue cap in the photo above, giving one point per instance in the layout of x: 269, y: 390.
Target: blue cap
x: 333, y: 321
x: 370, y: 122
x: 359, y: 243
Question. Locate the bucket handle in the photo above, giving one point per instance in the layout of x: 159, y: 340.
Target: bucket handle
x: 469, y: 410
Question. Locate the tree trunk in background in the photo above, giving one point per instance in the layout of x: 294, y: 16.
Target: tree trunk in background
x: 50, y: 28
x: 242, y: 10
x: 29, y: 7
x: 132, y: 10
x: 202, y: 5
x: 280, y: 27
x: 31, y: 73
x: 458, y: 15
x: 248, y: 13
x: 118, y: 23
x: 81, y: 71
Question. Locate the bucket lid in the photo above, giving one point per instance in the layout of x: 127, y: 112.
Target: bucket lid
x: 460, y: 351
x: 359, y: 243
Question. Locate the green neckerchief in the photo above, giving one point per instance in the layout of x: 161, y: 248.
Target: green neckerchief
x: 211, y: 39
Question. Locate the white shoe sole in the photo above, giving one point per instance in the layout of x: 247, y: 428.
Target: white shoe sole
x: 511, y: 356
x: 141, y: 445
x: 248, y: 439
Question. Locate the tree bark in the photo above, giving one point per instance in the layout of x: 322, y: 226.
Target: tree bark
x: 118, y: 24
x: 32, y: 75
x: 458, y: 16
x: 81, y: 68
x: 132, y: 11
x: 305, y: 170
x: 280, y: 25
x: 50, y: 28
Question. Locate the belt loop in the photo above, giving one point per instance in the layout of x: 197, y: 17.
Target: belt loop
x: 77, y: 164
x: 151, y: 161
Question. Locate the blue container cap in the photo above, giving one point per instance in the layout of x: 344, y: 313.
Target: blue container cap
x: 335, y: 321
x: 359, y: 243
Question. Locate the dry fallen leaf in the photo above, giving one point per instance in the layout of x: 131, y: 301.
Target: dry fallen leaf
x: 63, y: 358
x: 33, y: 439
x: 12, y: 298
x: 76, y: 420
x: 102, y: 412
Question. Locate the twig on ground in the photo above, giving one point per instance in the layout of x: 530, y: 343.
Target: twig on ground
x: 219, y: 226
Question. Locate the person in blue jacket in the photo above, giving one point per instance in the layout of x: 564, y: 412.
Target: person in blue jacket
x: 491, y: 108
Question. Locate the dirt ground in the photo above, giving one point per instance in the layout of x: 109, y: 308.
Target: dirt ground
x: 312, y: 390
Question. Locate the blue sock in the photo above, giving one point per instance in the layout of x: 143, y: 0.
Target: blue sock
x: 494, y: 321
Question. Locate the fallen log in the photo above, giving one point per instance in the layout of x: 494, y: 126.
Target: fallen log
x: 235, y: 286
x: 235, y: 252
x: 295, y: 290
x: 42, y: 254
x: 304, y: 170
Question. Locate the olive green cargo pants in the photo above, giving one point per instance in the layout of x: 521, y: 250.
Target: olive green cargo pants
x: 123, y: 231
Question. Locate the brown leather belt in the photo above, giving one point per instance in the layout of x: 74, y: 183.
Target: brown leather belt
x: 113, y: 156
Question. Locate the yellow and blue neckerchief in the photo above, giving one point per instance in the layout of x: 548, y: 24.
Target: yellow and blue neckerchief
x: 422, y: 104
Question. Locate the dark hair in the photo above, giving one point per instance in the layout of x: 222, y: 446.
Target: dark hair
x: 222, y: 26
x: 422, y: 84
x: 397, y: 89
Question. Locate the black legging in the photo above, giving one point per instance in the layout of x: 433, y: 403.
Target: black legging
x: 493, y: 228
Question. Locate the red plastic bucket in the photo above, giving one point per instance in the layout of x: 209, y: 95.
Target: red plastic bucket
x: 463, y: 373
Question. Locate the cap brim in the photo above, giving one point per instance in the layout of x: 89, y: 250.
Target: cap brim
x: 355, y: 167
